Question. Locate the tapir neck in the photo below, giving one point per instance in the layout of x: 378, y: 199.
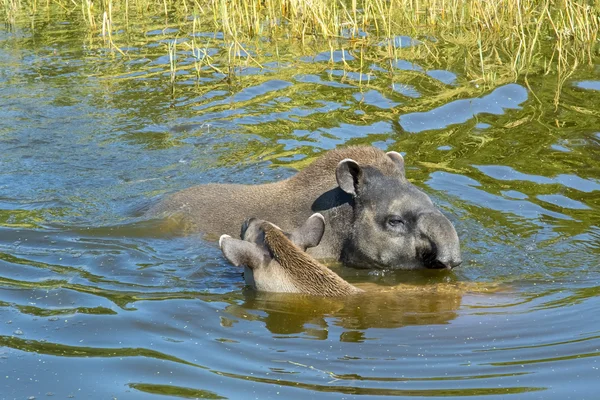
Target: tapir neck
x: 338, y: 213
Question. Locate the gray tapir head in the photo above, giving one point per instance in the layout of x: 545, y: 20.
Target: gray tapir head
x: 395, y: 225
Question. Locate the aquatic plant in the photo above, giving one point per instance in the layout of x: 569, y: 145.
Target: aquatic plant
x: 492, y: 41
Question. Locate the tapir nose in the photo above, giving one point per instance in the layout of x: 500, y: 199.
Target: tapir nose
x: 441, y: 263
x: 449, y: 263
x: 443, y: 243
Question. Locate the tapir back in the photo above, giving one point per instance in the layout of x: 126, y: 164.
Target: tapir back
x: 217, y: 209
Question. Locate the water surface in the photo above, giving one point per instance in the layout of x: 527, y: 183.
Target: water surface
x: 97, y: 302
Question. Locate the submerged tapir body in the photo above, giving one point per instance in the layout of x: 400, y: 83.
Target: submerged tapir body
x: 374, y: 217
x: 276, y: 262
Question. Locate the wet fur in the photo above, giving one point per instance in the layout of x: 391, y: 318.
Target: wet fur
x: 221, y: 208
x: 217, y: 209
x: 356, y: 189
x: 306, y: 274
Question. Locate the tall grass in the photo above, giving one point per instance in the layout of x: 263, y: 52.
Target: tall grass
x: 11, y: 9
x: 493, y: 38
x: 498, y: 37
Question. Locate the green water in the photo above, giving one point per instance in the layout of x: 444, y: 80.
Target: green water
x: 96, y: 303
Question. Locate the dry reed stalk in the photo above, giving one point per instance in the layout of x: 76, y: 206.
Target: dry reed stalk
x: 517, y: 37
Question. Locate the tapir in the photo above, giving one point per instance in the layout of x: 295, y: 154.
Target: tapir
x: 374, y: 217
x: 276, y: 261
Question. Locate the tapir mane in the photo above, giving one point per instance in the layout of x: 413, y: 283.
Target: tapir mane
x: 307, y: 273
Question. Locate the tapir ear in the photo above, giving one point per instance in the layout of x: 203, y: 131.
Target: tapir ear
x: 398, y: 159
x: 347, y: 174
x: 239, y: 252
x: 309, y: 234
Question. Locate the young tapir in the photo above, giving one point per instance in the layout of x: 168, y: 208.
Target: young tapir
x: 374, y: 217
x: 275, y: 261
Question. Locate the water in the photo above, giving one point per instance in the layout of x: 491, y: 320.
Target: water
x: 96, y: 302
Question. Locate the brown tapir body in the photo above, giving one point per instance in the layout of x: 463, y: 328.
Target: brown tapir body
x: 374, y: 217
x: 276, y: 261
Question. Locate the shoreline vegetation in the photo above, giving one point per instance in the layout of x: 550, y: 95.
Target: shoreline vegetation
x: 491, y: 42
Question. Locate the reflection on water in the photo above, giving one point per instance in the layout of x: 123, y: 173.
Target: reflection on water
x: 404, y: 305
x: 96, y: 302
x: 461, y: 111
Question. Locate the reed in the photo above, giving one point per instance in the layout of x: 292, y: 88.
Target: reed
x: 492, y: 38
x: 172, y: 49
x: 11, y: 10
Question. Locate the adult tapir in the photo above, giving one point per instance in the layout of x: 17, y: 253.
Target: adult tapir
x: 374, y: 217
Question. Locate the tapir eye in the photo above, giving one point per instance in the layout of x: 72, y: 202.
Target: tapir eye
x: 394, y: 221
